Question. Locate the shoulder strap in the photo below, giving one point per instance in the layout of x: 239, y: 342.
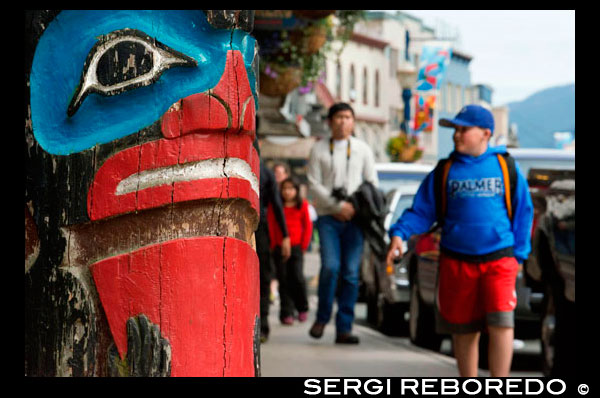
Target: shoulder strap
x: 440, y: 176
x: 509, y: 175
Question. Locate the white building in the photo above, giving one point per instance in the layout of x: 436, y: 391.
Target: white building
x: 370, y: 74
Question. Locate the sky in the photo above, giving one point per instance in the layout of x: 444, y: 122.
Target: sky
x: 517, y: 53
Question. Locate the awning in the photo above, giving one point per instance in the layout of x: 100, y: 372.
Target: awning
x: 286, y: 147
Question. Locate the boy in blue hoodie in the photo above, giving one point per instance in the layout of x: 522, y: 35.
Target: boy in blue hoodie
x: 480, y: 248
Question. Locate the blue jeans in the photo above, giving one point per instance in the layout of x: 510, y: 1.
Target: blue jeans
x: 341, y: 246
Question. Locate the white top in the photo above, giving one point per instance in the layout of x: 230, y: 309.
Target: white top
x: 348, y: 173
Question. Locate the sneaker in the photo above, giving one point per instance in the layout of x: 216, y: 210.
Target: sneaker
x: 346, y: 338
x: 302, y: 316
x: 288, y: 320
x: 316, y: 330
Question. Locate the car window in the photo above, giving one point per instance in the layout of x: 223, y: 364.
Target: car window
x: 387, y: 185
x: 555, y: 164
x: 404, y: 203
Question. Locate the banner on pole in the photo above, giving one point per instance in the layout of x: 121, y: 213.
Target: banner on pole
x: 424, y: 108
x: 432, y: 67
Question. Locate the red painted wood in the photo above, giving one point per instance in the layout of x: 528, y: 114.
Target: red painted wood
x: 198, y: 129
x: 208, y: 111
x: 200, y: 293
x: 104, y: 202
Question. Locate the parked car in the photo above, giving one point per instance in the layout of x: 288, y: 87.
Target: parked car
x: 421, y: 261
x: 394, y: 175
x: 550, y: 269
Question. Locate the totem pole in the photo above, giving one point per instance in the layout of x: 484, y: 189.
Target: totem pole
x: 141, y: 196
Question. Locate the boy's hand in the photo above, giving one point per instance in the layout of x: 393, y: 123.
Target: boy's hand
x: 394, y: 251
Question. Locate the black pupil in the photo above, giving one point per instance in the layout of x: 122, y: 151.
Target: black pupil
x: 124, y: 61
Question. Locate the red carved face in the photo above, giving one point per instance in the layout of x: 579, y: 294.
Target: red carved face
x: 206, y: 152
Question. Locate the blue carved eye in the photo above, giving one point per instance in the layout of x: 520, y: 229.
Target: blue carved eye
x: 124, y: 60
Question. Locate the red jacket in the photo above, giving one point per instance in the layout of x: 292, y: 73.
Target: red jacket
x: 298, y: 224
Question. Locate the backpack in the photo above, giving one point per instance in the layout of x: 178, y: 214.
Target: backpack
x: 509, y: 174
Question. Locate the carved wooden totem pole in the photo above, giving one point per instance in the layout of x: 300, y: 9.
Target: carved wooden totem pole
x: 141, y: 197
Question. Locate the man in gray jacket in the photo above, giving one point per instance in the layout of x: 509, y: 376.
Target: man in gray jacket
x: 336, y: 168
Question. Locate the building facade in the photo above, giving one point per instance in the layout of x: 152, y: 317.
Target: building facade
x: 370, y: 74
x: 376, y: 72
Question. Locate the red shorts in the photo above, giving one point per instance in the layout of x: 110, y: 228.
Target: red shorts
x: 473, y: 295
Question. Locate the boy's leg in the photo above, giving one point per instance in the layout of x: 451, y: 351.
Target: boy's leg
x: 500, y: 301
x: 500, y: 350
x: 466, y: 352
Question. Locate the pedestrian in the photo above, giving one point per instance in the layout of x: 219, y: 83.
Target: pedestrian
x: 281, y: 171
x: 480, y: 247
x: 336, y: 168
x: 269, y: 195
x: 290, y: 273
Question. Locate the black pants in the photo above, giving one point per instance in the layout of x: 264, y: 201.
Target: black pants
x: 292, y: 284
x: 266, y: 273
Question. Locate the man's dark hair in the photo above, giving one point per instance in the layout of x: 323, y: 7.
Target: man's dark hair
x: 340, y: 106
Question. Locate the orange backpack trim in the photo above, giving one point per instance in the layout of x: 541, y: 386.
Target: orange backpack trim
x: 504, y: 168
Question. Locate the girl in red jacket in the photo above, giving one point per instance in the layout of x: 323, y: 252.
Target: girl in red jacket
x: 292, y: 285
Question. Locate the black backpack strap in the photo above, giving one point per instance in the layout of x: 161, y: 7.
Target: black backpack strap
x: 512, y: 175
x: 512, y: 178
x: 440, y: 173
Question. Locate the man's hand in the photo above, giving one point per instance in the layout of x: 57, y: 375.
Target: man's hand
x: 286, y: 248
x: 394, y: 251
x: 346, y: 213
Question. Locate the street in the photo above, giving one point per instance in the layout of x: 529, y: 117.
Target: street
x: 290, y: 351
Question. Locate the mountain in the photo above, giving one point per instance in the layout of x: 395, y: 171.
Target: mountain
x: 542, y: 114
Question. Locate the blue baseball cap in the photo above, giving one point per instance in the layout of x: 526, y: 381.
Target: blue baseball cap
x: 471, y: 115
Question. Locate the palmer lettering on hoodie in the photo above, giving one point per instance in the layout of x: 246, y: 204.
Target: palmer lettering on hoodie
x: 484, y: 187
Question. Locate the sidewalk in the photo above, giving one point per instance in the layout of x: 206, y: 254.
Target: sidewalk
x: 290, y: 351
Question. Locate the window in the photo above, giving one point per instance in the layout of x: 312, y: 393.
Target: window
x: 458, y: 98
x: 338, y: 81
x: 352, y: 84
x: 393, y: 62
x: 365, y: 85
x: 376, y: 96
x: 469, y: 95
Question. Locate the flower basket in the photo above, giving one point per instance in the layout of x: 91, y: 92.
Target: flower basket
x: 408, y: 154
x: 309, y: 40
x: 312, y: 14
x: 281, y: 82
x: 404, y: 149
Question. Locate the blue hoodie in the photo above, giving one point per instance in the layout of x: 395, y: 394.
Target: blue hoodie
x: 476, y: 221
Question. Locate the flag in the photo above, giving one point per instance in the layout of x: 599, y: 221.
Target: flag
x: 432, y: 67
x: 424, y: 106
